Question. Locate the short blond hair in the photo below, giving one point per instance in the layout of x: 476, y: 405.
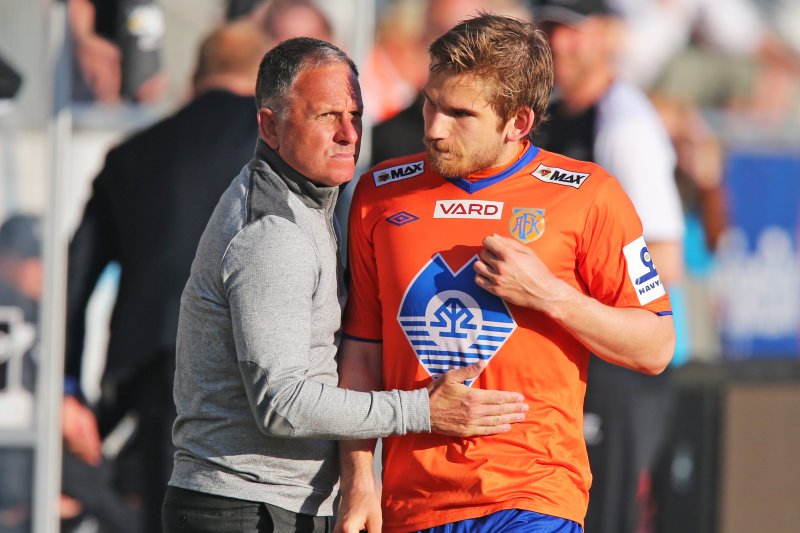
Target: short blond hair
x: 511, y: 55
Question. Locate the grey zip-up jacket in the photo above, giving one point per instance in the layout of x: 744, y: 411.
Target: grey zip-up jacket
x: 255, y: 383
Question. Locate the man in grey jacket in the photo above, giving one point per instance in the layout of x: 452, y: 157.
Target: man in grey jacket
x: 256, y: 381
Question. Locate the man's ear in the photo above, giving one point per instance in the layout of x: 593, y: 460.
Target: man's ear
x: 520, y: 125
x: 267, y: 127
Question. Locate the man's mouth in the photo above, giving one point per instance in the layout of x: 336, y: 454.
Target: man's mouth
x: 438, y: 147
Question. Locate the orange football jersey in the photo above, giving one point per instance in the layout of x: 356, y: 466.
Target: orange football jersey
x: 413, y: 238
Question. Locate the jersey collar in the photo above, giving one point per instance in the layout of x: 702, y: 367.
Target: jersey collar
x: 474, y: 186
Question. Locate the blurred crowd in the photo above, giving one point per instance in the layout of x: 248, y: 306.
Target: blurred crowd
x: 695, y: 66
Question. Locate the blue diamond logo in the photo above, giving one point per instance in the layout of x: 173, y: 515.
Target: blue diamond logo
x: 401, y: 219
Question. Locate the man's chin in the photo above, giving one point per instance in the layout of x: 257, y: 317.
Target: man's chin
x: 335, y: 175
x: 445, y: 168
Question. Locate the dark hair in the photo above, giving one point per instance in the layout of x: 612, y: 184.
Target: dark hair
x: 280, y: 67
x: 21, y: 236
x: 511, y: 55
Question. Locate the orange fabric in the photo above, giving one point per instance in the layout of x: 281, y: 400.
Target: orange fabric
x: 541, y: 465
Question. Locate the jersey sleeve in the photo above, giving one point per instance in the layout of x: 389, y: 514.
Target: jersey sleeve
x: 613, y: 260
x: 363, y: 316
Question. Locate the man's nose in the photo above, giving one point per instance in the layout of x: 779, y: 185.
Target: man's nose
x: 349, y: 130
x: 435, y: 127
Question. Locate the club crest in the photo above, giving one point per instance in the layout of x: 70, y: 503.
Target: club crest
x: 449, y: 321
x: 526, y: 224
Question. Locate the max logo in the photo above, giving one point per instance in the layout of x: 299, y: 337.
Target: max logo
x: 468, y: 209
x: 559, y: 176
x: 400, y: 172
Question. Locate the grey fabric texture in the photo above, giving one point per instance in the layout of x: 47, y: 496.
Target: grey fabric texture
x: 255, y: 384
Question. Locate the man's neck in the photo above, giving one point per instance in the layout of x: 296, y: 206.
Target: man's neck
x: 511, y: 153
x: 238, y: 85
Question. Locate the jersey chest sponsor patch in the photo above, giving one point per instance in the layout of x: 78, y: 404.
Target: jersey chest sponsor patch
x: 449, y: 321
x: 398, y: 173
x: 642, y: 271
x: 560, y: 176
x: 468, y: 209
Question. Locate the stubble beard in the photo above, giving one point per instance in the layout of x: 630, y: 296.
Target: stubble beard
x: 451, y: 163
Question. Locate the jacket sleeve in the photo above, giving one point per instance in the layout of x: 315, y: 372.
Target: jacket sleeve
x: 270, y: 275
x: 90, y: 251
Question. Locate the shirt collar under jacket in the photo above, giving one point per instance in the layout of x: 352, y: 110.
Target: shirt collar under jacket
x: 313, y: 195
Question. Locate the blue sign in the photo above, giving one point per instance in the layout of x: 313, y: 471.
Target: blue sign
x: 758, y: 270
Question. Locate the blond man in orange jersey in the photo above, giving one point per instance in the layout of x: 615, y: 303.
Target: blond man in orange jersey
x: 486, y: 248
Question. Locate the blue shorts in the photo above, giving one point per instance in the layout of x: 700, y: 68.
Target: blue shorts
x: 509, y: 521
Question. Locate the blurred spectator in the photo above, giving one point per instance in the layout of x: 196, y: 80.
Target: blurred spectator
x: 708, y: 52
x: 399, y: 129
x: 148, y: 208
x: 399, y: 135
x: 20, y: 292
x: 117, y: 47
x: 21, y: 264
x: 697, y: 54
x: 601, y: 118
x: 699, y: 176
x: 20, y: 295
x: 397, y: 65
x: 284, y: 19
x: 84, y: 490
x: 699, y: 166
x: 237, y: 8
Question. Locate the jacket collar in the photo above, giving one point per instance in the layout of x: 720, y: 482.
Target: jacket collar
x: 312, y: 195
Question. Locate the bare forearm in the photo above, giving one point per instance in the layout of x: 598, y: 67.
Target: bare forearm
x: 357, y: 460
x: 631, y: 337
x: 359, y: 369
x: 81, y: 18
x: 359, y: 508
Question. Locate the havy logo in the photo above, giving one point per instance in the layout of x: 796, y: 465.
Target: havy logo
x: 559, y: 176
x: 449, y: 321
x: 642, y: 271
x: 400, y: 172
